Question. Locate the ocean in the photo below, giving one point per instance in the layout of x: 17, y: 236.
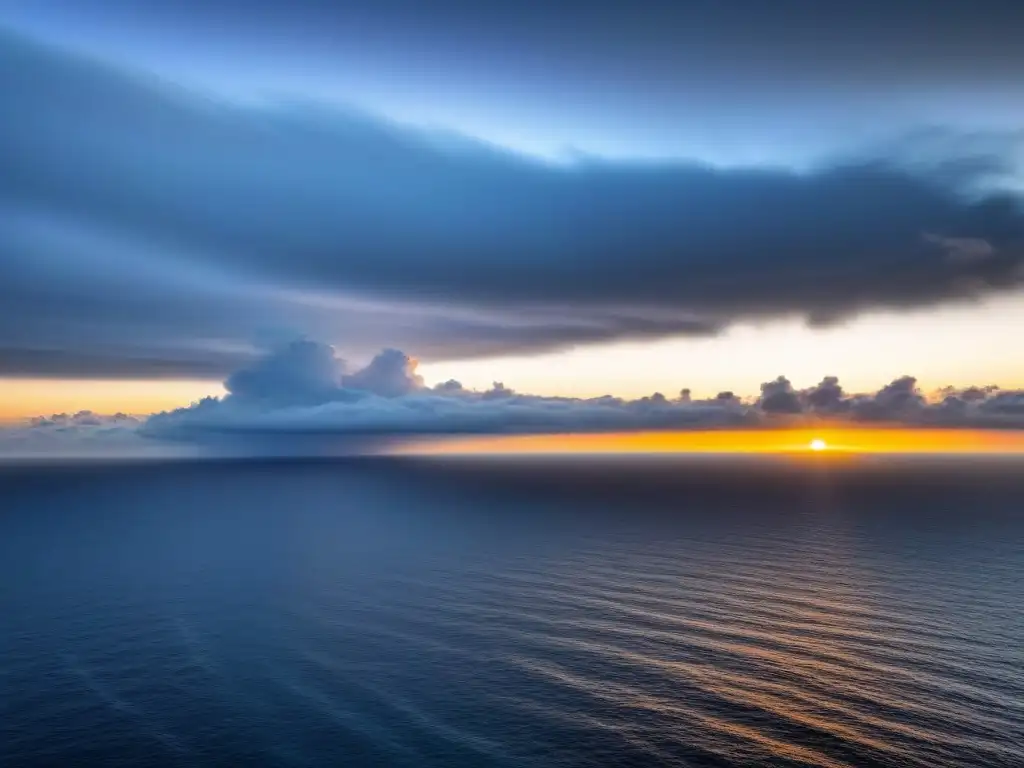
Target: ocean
x: 549, y: 611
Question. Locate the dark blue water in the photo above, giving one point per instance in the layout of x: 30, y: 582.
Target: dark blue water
x: 544, y: 613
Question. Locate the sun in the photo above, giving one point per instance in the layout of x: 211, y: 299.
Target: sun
x: 817, y: 444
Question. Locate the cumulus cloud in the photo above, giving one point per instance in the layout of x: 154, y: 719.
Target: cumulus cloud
x: 145, y: 228
x: 392, y: 373
x: 825, y: 397
x: 989, y: 403
x: 302, y: 372
x: 901, y: 401
x: 899, y: 398
x: 451, y: 386
x: 778, y: 396
x: 301, y: 388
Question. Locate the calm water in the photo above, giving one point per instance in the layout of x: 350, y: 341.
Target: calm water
x: 547, y: 613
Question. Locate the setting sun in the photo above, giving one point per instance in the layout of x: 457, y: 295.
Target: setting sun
x: 835, y: 440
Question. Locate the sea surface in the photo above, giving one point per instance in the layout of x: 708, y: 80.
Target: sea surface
x: 503, y: 612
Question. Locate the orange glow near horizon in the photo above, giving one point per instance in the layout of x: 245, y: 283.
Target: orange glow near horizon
x: 23, y: 398
x: 820, y: 442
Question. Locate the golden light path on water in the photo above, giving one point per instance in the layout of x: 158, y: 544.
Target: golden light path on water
x: 821, y: 441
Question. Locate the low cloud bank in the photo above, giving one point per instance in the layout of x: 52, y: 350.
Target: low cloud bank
x: 899, y: 401
x: 304, y: 391
x: 78, y: 435
x: 305, y: 388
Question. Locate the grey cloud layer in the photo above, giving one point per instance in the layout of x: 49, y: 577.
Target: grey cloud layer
x: 212, y: 203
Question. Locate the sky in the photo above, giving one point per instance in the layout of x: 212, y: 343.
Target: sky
x: 570, y: 199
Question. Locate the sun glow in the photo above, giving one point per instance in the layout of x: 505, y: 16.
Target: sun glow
x: 836, y: 442
x: 23, y: 398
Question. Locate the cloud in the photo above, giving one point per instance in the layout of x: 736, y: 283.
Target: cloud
x: 145, y: 228
x: 60, y: 421
x: 302, y: 372
x: 779, y: 397
x: 80, y: 435
x: 826, y: 397
x: 451, y: 386
x: 301, y: 388
x: 299, y: 397
x: 898, y: 399
x: 964, y: 250
x: 305, y: 372
x: 898, y: 402
x: 392, y: 373
x: 988, y: 403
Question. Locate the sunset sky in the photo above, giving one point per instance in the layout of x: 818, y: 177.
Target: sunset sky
x: 821, y: 443
x: 696, y: 197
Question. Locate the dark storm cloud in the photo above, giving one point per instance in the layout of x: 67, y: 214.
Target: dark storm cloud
x: 78, y: 303
x: 501, y: 253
